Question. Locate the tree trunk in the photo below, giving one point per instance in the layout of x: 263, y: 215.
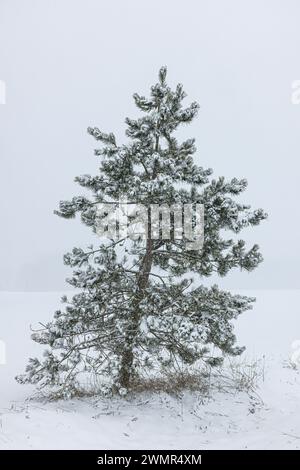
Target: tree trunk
x: 134, y: 322
x: 142, y: 281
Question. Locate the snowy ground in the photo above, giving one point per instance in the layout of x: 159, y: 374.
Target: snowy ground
x: 268, y: 419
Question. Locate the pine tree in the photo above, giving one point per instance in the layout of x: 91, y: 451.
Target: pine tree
x: 136, y: 309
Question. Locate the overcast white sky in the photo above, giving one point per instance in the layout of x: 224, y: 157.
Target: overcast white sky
x: 69, y: 64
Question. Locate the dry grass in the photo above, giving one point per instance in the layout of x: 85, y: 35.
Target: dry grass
x: 239, y: 375
x: 234, y: 376
x: 173, y: 383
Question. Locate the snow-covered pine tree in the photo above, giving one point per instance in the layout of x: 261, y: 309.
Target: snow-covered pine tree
x: 136, y: 311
